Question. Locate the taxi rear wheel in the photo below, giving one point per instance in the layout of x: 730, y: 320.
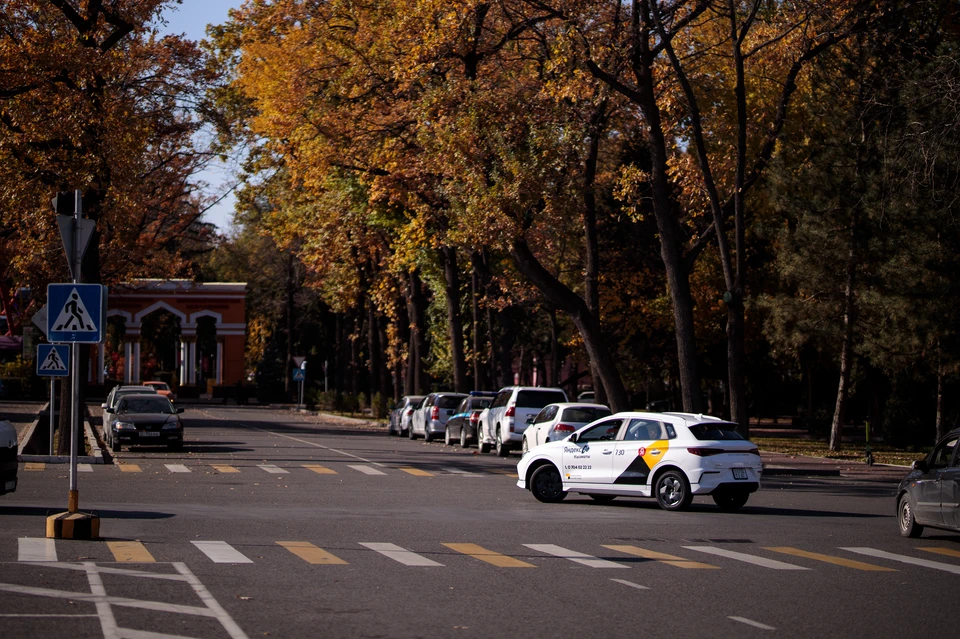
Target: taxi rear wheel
x: 547, y: 485
x: 730, y: 502
x: 673, y: 491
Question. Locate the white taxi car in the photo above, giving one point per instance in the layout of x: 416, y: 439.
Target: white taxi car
x: 670, y: 456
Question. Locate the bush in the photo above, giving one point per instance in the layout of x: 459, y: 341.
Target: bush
x: 379, y: 406
x: 361, y: 403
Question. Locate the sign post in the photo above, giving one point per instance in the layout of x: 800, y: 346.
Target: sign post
x: 53, y: 362
x: 299, y: 375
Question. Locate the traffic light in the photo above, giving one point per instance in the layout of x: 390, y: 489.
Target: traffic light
x: 63, y: 204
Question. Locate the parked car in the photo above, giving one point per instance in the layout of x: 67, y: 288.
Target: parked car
x: 430, y: 419
x: 162, y: 389
x: 462, y: 426
x: 145, y: 419
x: 8, y: 457
x: 113, y: 397
x: 513, y: 408
x: 556, y: 421
x: 929, y: 494
x: 400, y: 416
x: 670, y: 456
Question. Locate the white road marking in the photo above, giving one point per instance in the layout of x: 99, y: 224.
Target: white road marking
x: 220, y: 552
x: 926, y: 563
x: 402, y: 555
x: 108, y: 623
x: 574, y: 556
x: 272, y: 468
x: 37, y: 549
x: 212, y: 604
x: 177, y: 468
x: 750, y: 559
x: 366, y: 470
x: 751, y: 622
x: 84, y: 468
x: 631, y: 584
x: 458, y: 471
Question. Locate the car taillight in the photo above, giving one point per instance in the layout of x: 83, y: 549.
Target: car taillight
x: 410, y: 411
x: 435, y: 413
x: 475, y: 417
x: 510, y: 412
x: 705, y: 452
x: 563, y: 428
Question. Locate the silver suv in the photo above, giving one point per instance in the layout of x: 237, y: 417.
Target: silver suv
x: 512, y: 410
x: 430, y: 418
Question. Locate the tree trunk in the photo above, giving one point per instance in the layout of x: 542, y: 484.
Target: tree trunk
x: 940, y: 375
x: 374, y: 352
x: 417, y: 311
x: 478, y: 381
x: 847, y: 350
x: 455, y: 324
x: 289, y: 306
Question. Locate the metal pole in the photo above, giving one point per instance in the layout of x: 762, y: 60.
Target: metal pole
x: 73, y: 500
x: 53, y: 381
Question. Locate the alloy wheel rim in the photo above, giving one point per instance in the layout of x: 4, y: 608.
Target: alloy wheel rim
x: 670, y: 491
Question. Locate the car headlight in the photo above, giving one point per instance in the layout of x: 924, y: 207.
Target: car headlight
x: 172, y: 424
x: 126, y: 426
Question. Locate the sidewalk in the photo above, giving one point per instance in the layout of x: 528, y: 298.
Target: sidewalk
x: 780, y: 465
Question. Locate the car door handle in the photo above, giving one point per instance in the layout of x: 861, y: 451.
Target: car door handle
x: 608, y: 452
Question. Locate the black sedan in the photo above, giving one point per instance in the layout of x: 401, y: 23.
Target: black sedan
x: 145, y: 420
x: 462, y: 426
x: 930, y: 494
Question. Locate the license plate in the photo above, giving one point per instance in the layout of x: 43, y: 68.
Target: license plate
x: 739, y: 473
x: 149, y: 434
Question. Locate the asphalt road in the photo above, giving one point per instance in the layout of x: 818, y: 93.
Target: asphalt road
x: 269, y: 523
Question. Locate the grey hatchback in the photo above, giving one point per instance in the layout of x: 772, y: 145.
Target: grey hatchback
x: 930, y: 494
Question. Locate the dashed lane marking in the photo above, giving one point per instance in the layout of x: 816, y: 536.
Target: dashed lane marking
x: 367, y: 470
x: 416, y: 471
x: 751, y: 622
x: 220, y: 552
x: 508, y: 473
x: 949, y: 552
x: 130, y: 551
x: 631, y: 584
x: 574, y: 556
x: 84, y: 468
x: 177, y: 468
x: 830, y: 559
x: 399, y: 554
x: 663, y: 558
x: 495, y: 558
x: 926, y: 563
x: 273, y: 469
x: 320, y: 470
x: 459, y: 471
x: 223, y: 468
x: 312, y: 554
x: 129, y: 468
x: 36, y: 549
x: 744, y: 557
x: 34, y: 466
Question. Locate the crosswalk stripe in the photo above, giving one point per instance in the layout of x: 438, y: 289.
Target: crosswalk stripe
x: 663, y: 558
x: 926, y: 563
x: 402, y: 555
x: 177, y: 468
x: 574, y: 556
x: 631, y: 584
x: 751, y: 622
x: 830, y: 559
x: 220, y: 552
x: 312, y: 554
x: 495, y: 558
x: 458, y: 471
x: 274, y: 469
x: 320, y: 470
x: 508, y: 473
x: 132, y: 551
x: 950, y: 552
x: 84, y: 468
x: 750, y: 559
x: 367, y: 470
x: 416, y: 471
x: 129, y: 468
x: 223, y: 468
x: 34, y: 466
x: 36, y: 549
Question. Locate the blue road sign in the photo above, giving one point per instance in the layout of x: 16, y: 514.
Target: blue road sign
x: 298, y: 375
x: 75, y: 313
x: 53, y: 360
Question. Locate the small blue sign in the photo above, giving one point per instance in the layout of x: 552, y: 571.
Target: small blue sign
x: 76, y: 312
x: 299, y: 375
x: 53, y: 360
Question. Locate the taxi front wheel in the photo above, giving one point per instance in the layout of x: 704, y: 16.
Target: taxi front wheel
x: 673, y: 491
x: 547, y: 485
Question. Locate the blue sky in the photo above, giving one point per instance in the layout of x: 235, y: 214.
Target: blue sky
x: 191, y: 18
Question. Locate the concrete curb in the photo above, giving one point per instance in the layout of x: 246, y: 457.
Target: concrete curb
x: 95, y: 458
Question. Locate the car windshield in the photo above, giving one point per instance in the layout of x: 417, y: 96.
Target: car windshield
x: 539, y: 399
x: 145, y: 405
x: 159, y: 385
x: 715, y: 431
x: 480, y: 404
x: 583, y: 414
x: 449, y: 401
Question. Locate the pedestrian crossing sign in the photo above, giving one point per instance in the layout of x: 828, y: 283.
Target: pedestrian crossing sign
x: 298, y: 375
x: 53, y: 360
x: 76, y: 313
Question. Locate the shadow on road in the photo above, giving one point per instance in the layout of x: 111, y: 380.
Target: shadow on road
x: 43, y: 511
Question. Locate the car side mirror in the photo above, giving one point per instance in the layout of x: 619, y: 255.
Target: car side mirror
x: 110, y: 410
x: 179, y: 410
x: 103, y: 405
x: 530, y: 419
x: 573, y: 438
x: 921, y: 465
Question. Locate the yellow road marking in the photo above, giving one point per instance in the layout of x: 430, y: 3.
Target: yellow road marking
x: 508, y: 473
x: 129, y: 468
x: 830, y: 559
x: 224, y: 469
x: 320, y: 470
x: 312, y: 554
x: 950, y: 552
x: 132, y: 551
x: 671, y: 560
x: 417, y: 472
x: 34, y: 466
x: 495, y: 558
